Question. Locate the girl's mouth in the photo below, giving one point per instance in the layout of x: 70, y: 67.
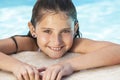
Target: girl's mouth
x: 56, y: 48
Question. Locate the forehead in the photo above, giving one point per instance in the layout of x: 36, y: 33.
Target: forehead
x: 56, y: 20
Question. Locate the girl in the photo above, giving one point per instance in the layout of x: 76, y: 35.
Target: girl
x: 54, y: 29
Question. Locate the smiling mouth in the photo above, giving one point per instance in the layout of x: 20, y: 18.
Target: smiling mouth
x: 56, y: 48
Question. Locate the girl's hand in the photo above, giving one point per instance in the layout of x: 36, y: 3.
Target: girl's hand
x: 24, y: 71
x: 56, y: 72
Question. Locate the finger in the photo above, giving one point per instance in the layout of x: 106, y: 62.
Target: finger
x: 37, y: 77
x: 47, y: 75
x: 25, y: 75
x: 54, y: 74
x: 60, y: 74
x: 41, y: 71
x: 31, y: 73
x: 19, y: 77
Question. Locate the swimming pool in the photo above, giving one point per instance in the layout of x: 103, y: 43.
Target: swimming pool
x: 99, y: 20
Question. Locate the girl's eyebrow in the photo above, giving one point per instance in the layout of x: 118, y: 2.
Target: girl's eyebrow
x: 53, y: 29
x: 46, y: 28
x: 69, y: 28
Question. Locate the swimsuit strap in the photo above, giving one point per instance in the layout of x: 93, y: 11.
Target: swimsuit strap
x: 13, y: 38
x: 15, y: 41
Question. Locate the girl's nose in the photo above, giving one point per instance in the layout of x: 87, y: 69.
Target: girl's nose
x: 56, y: 39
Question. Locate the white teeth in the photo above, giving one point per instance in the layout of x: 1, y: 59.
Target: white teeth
x: 55, y: 49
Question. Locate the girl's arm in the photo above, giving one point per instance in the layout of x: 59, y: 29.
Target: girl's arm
x: 19, y: 69
x: 97, y: 54
x: 22, y: 71
x: 8, y: 45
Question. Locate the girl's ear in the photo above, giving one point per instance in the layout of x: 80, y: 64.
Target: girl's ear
x: 76, y: 28
x: 32, y: 29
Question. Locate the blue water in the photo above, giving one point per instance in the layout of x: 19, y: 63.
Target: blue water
x: 98, y: 19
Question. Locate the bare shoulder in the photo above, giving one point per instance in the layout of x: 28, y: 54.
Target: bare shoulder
x: 84, y: 45
x: 24, y: 43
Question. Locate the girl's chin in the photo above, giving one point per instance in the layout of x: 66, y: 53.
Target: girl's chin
x: 55, y: 57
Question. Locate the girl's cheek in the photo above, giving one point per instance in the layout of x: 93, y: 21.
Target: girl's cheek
x: 68, y: 36
x: 68, y: 40
x: 43, y: 38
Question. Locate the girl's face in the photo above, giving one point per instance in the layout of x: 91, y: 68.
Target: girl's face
x: 55, y: 34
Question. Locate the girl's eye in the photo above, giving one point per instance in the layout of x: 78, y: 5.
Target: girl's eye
x: 47, y: 31
x: 66, y: 31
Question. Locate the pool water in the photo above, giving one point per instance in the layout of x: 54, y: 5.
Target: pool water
x: 98, y: 19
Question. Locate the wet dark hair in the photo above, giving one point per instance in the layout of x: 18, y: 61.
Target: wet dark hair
x: 41, y: 7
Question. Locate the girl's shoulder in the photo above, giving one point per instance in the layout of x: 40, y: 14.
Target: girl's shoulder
x: 25, y: 43
x: 84, y: 45
x: 80, y: 44
x: 16, y: 44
